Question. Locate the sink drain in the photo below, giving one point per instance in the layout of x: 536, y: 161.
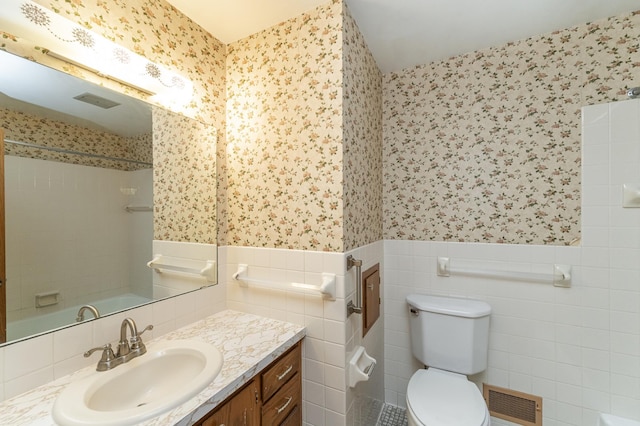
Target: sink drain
x: 141, y: 404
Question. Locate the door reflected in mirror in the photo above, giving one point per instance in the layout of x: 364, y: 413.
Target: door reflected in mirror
x: 78, y: 197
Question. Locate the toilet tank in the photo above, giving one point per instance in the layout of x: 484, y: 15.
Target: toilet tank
x: 449, y: 333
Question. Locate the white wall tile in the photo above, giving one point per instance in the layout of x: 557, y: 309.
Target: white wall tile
x: 28, y: 381
x: 314, y: 414
x: 623, y: 122
x: 335, y: 377
x: 625, y: 343
x: 69, y: 365
x: 27, y: 357
x: 313, y: 261
x: 335, y: 400
x: 334, y: 354
x: 314, y: 393
x: 295, y: 260
x: 596, y: 115
x: 71, y: 341
x: 332, y: 418
x: 314, y: 349
x: 596, y: 359
x: 314, y: 371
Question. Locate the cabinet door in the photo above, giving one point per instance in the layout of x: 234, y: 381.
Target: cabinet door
x: 243, y: 409
x: 219, y: 418
x: 371, y: 299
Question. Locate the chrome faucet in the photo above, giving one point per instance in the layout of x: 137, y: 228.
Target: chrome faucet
x: 127, y: 349
x: 91, y: 308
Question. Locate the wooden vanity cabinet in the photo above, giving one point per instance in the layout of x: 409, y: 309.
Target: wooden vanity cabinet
x: 272, y: 398
x: 242, y: 409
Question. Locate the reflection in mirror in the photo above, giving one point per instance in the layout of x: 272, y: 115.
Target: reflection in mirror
x: 79, y: 197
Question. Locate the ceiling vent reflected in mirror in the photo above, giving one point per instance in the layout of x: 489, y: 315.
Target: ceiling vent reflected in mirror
x: 96, y: 100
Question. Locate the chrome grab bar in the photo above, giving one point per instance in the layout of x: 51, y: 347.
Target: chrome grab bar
x: 355, y: 307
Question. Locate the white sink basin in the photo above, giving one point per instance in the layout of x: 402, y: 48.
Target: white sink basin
x: 169, y: 374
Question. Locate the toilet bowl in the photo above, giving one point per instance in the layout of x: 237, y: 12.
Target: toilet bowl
x: 442, y: 398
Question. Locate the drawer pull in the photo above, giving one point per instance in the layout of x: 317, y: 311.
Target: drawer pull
x: 287, y: 371
x: 286, y: 404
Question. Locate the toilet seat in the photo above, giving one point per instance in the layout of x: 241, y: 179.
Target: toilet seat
x: 441, y: 398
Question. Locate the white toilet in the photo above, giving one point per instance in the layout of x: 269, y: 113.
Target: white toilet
x: 450, y: 336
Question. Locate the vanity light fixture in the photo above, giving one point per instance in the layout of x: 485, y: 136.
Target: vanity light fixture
x: 75, y: 44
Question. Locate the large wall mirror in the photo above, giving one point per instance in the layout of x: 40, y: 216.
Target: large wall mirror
x: 79, y: 183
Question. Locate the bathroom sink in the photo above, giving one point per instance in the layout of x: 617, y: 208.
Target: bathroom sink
x: 169, y: 374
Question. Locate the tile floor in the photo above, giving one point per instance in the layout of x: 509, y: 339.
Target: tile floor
x: 367, y: 411
x: 392, y: 416
x: 396, y: 416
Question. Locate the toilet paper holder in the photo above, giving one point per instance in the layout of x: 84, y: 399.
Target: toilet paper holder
x: 361, y: 366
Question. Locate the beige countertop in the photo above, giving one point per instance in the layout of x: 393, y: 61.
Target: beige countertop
x: 248, y: 344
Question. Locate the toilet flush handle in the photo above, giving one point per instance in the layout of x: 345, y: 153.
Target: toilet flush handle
x: 414, y: 311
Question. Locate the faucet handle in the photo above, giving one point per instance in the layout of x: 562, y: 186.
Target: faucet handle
x: 136, y: 340
x: 147, y: 328
x: 107, y: 352
x: 108, y: 359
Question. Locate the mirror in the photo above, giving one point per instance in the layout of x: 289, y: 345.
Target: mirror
x: 79, y: 195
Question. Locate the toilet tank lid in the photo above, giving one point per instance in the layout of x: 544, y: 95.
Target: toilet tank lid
x: 454, y: 306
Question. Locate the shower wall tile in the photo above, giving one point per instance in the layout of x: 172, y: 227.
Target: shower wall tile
x: 71, y: 236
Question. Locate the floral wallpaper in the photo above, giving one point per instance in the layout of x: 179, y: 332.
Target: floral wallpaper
x: 23, y: 127
x: 481, y: 147
x: 362, y: 139
x: 157, y: 31
x: 485, y: 147
x: 184, y: 178
x: 284, y: 134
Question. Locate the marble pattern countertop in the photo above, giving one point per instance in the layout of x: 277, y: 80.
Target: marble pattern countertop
x: 247, y: 342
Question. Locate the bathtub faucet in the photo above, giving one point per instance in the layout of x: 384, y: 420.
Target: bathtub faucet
x: 90, y: 308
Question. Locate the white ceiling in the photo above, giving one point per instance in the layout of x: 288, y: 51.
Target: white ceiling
x: 403, y: 33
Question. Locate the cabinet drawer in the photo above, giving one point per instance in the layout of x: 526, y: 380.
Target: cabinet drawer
x: 278, y: 374
x: 288, y: 398
x: 294, y: 418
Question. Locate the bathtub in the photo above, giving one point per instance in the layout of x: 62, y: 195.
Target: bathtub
x: 45, y: 322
